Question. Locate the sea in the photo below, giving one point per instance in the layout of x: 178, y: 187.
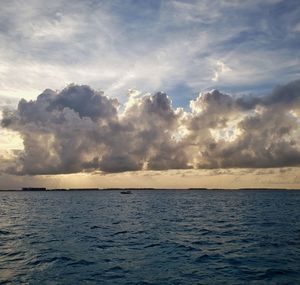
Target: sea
x: 150, y: 237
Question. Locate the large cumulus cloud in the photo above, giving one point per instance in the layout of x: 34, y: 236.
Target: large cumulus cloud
x: 265, y: 131
x: 80, y: 129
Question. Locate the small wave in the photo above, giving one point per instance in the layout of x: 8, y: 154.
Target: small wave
x: 11, y: 254
x: 233, y: 261
x: 88, y: 237
x: 50, y: 260
x: 35, y: 242
x: 202, y: 258
x: 139, y: 232
x: 271, y: 273
x: 4, y: 232
x: 152, y: 245
x: 119, y: 233
x: 95, y: 227
x: 270, y: 244
x: 293, y: 242
x: 74, y: 217
x: 104, y: 246
x: 205, y: 232
x: 116, y: 276
x: 187, y: 247
x: 115, y: 268
x: 206, y: 242
x: 82, y: 262
x: 206, y: 258
x: 116, y: 271
x: 141, y: 283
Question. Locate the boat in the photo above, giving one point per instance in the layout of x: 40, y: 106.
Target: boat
x: 126, y: 192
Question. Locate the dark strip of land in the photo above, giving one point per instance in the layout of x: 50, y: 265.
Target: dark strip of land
x: 38, y: 189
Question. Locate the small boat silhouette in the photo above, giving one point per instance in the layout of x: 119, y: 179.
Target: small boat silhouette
x: 126, y: 192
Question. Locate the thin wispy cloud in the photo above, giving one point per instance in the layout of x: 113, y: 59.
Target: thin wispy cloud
x: 148, y: 45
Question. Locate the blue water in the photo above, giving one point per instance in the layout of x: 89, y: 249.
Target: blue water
x: 150, y: 237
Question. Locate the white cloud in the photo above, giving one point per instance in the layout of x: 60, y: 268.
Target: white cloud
x: 221, y: 69
x: 79, y: 129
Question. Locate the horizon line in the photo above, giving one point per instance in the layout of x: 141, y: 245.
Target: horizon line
x: 43, y: 189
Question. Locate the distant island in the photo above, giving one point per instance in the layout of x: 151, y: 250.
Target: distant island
x: 34, y: 189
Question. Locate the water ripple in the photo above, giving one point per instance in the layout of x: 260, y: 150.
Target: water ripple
x: 151, y: 237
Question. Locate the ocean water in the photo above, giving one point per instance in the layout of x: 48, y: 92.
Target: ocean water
x: 150, y: 237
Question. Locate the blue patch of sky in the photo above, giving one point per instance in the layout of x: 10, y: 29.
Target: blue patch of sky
x: 181, y: 95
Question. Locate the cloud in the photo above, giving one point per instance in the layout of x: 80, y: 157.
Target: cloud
x: 81, y: 130
x: 266, y: 129
x: 219, y: 44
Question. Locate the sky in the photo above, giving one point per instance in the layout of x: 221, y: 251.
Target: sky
x: 172, y: 94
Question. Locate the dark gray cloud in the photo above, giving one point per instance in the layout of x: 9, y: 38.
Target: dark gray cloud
x: 80, y: 129
x: 61, y: 132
